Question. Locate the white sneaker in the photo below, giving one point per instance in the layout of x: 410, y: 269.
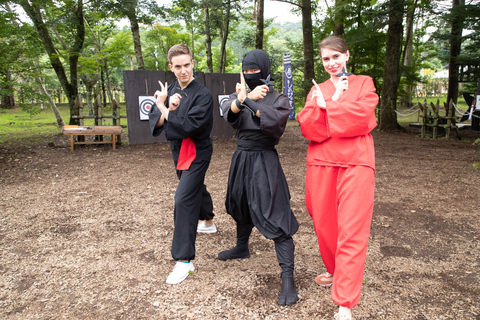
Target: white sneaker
x: 206, y: 229
x: 344, y: 313
x: 180, y: 272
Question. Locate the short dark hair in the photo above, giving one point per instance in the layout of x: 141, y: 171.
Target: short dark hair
x: 334, y: 43
x: 178, y: 50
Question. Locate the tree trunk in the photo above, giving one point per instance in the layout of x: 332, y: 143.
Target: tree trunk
x: 391, y: 70
x: 98, y: 48
x: 408, y: 62
x: 455, y: 44
x: 409, y: 33
x: 109, y: 84
x: 57, y: 114
x: 224, y: 31
x: 354, y: 49
x: 8, y: 99
x: 208, y: 38
x: 192, y: 46
x: 339, y: 17
x: 136, y: 41
x: 407, y: 59
x: 308, y: 68
x: 260, y: 25
x: 89, y: 82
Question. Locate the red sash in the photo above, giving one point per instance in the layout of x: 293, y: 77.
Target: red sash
x: 188, y: 153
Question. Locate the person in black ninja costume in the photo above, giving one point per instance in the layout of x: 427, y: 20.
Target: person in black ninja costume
x: 187, y: 123
x: 257, y: 193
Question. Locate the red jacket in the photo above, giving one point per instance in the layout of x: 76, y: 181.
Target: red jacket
x: 340, y: 134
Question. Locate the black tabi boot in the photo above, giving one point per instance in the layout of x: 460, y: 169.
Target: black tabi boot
x: 240, y: 251
x: 285, y: 254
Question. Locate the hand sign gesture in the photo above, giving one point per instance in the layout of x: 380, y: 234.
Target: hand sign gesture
x: 240, y: 89
x: 319, y: 95
x: 161, y: 95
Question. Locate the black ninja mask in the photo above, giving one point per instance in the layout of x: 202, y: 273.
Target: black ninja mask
x: 256, y: 59
x: 253, y: 80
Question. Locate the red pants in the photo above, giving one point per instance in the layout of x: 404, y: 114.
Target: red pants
x: 340, y: 202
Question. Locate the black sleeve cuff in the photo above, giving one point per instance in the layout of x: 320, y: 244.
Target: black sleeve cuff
x: 239, y: 104
x: 252, y: 105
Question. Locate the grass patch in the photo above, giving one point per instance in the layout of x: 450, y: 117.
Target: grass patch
x: 18, y: 126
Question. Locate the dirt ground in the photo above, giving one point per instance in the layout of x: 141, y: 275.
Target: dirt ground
x: 86, y: 235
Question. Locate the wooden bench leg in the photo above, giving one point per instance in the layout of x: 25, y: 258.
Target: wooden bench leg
x: 71, y: 142
x: 113, y: 141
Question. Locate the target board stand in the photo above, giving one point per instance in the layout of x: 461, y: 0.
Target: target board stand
x: 140, y: 86
x: 221, y: 99
x: 145, y: 105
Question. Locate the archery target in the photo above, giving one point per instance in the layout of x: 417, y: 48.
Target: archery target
x: 221, y: 99
x: 145, y: 105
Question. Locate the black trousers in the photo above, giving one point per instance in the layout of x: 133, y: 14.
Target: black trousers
x: 258, y: 194
x: 192, y: 202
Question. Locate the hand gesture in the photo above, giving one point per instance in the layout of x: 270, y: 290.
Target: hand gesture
x: 240, y: 89
x: 341, y: 86
x: 258, y: 93
x: 161, y: 95
x: 317, y: 93
x: 174, y: 102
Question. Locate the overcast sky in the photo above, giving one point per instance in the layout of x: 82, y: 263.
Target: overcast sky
x: 273, y: 9
x: 280, y: 11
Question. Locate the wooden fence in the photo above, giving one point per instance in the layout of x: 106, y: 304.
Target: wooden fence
x: 431, y: 119
x: 98, y: 115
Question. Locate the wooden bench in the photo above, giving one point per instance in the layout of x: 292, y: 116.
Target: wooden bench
x: 72, y: 130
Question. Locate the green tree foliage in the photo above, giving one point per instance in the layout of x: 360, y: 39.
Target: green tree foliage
x: 158, y: 39
x: 26, y: 68
x: 470, y: 53
x: 11, y: 56
x: 460, y: 29
x: 137, y: 12
x: 220, y: 32
x: 364, y: 24
x: 212, y: 19
x: 106, y: 49
x: 49, y: 21
x: 191, y: 13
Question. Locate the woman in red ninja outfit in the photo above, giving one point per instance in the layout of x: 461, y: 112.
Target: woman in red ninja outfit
x: 337, y: 119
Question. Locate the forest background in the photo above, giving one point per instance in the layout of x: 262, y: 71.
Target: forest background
x: 52, y: 51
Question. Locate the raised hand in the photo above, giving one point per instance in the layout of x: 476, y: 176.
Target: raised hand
x: 161, y: 95
x: 240, y: 89
x: 317, y: 93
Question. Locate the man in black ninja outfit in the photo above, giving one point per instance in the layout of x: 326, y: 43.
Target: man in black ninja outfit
x: 187, y: 122
x: 257, y: 193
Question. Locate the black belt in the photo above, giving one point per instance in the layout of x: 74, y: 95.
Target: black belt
x: 250, y: 145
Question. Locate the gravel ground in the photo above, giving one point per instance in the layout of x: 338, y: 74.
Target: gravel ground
x: 86, y: 235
